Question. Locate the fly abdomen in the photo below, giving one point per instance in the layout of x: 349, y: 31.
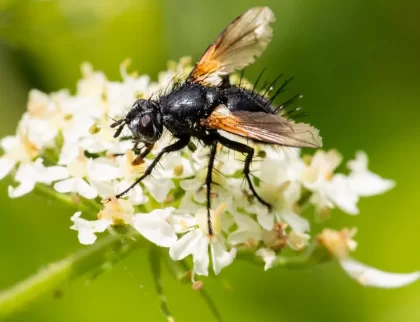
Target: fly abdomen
x: 239, y: 99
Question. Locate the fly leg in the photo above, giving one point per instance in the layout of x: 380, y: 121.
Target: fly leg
x: 212, y: 156
x: 142, y: 154
x: 249, y: 151
x: 178, y: 145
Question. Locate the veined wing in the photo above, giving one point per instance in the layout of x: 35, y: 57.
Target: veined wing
x: 236, y: 47
x: 264, y: 127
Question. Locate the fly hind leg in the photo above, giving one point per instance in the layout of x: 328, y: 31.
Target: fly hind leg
x: 209, y: 181
x: 249, y: 151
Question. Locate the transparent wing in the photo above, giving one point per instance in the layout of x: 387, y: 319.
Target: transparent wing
x: 236, y: 47
x: 264, y: 127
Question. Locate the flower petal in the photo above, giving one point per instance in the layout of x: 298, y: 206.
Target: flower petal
x: 155, y: 228
x: 364, y: 182
x: 201, y: 256
x: 368, y: 184
x: 340, y: 193
x: 6, y: 166
x: 298, y: 223
x: 65, y: 186
x: 84, y: 189
x: 159, y: 188
x: 135, y: 195
x: 186, y: 245
x: 51, y: 174
x: 369, y: 276
x: 220, y: 257
x: 247, y: 229
x: 26, y: 175
x: 99, y: 171
x: 264, y: 217
x: 24, y: 188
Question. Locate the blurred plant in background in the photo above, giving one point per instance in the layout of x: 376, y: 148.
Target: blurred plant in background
x: 355, y: 63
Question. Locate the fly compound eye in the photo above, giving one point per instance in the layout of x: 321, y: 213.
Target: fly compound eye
x: 146, y: 126
x: 143, y: 128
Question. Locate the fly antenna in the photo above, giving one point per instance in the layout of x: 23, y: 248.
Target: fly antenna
x: 116, y: 123
x: 119, y: 130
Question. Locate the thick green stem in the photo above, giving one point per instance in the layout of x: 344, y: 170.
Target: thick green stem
x: 54, y: 275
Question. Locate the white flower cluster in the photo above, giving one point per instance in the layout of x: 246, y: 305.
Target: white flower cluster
x: 65, y: 142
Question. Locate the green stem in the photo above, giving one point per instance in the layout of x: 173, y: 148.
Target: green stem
x: 53, y: 276
x: 154, y: 260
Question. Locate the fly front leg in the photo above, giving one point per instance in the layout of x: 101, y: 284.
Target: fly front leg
x: 178, y: 145
x: 142, y: 154
x: 249, y: 152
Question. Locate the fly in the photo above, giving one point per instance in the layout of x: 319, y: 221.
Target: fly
x: 206, y: 105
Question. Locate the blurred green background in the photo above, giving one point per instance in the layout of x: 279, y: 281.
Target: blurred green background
x: 356, y: 62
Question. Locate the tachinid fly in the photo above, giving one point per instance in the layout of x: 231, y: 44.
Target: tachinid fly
x: 206, y: 105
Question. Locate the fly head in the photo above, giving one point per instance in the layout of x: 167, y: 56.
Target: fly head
x: 144, y: 121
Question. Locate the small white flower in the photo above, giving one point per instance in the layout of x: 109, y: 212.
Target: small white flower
x: 197, y: 241
x: 267, y: 218
x: 40, y: 105
x: 321, y: 169
x: 297, y: 241
x: 329, y: 190
x: 78, y: 170
x: 155, y: 227
x: 248, y: 230
x: 18, y: 149
x: 86, y: 229
x: 120, y: 211
x: 41, y: 133
x: 115, y: 212
x: 369, y: 276
x: 31, y: 173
